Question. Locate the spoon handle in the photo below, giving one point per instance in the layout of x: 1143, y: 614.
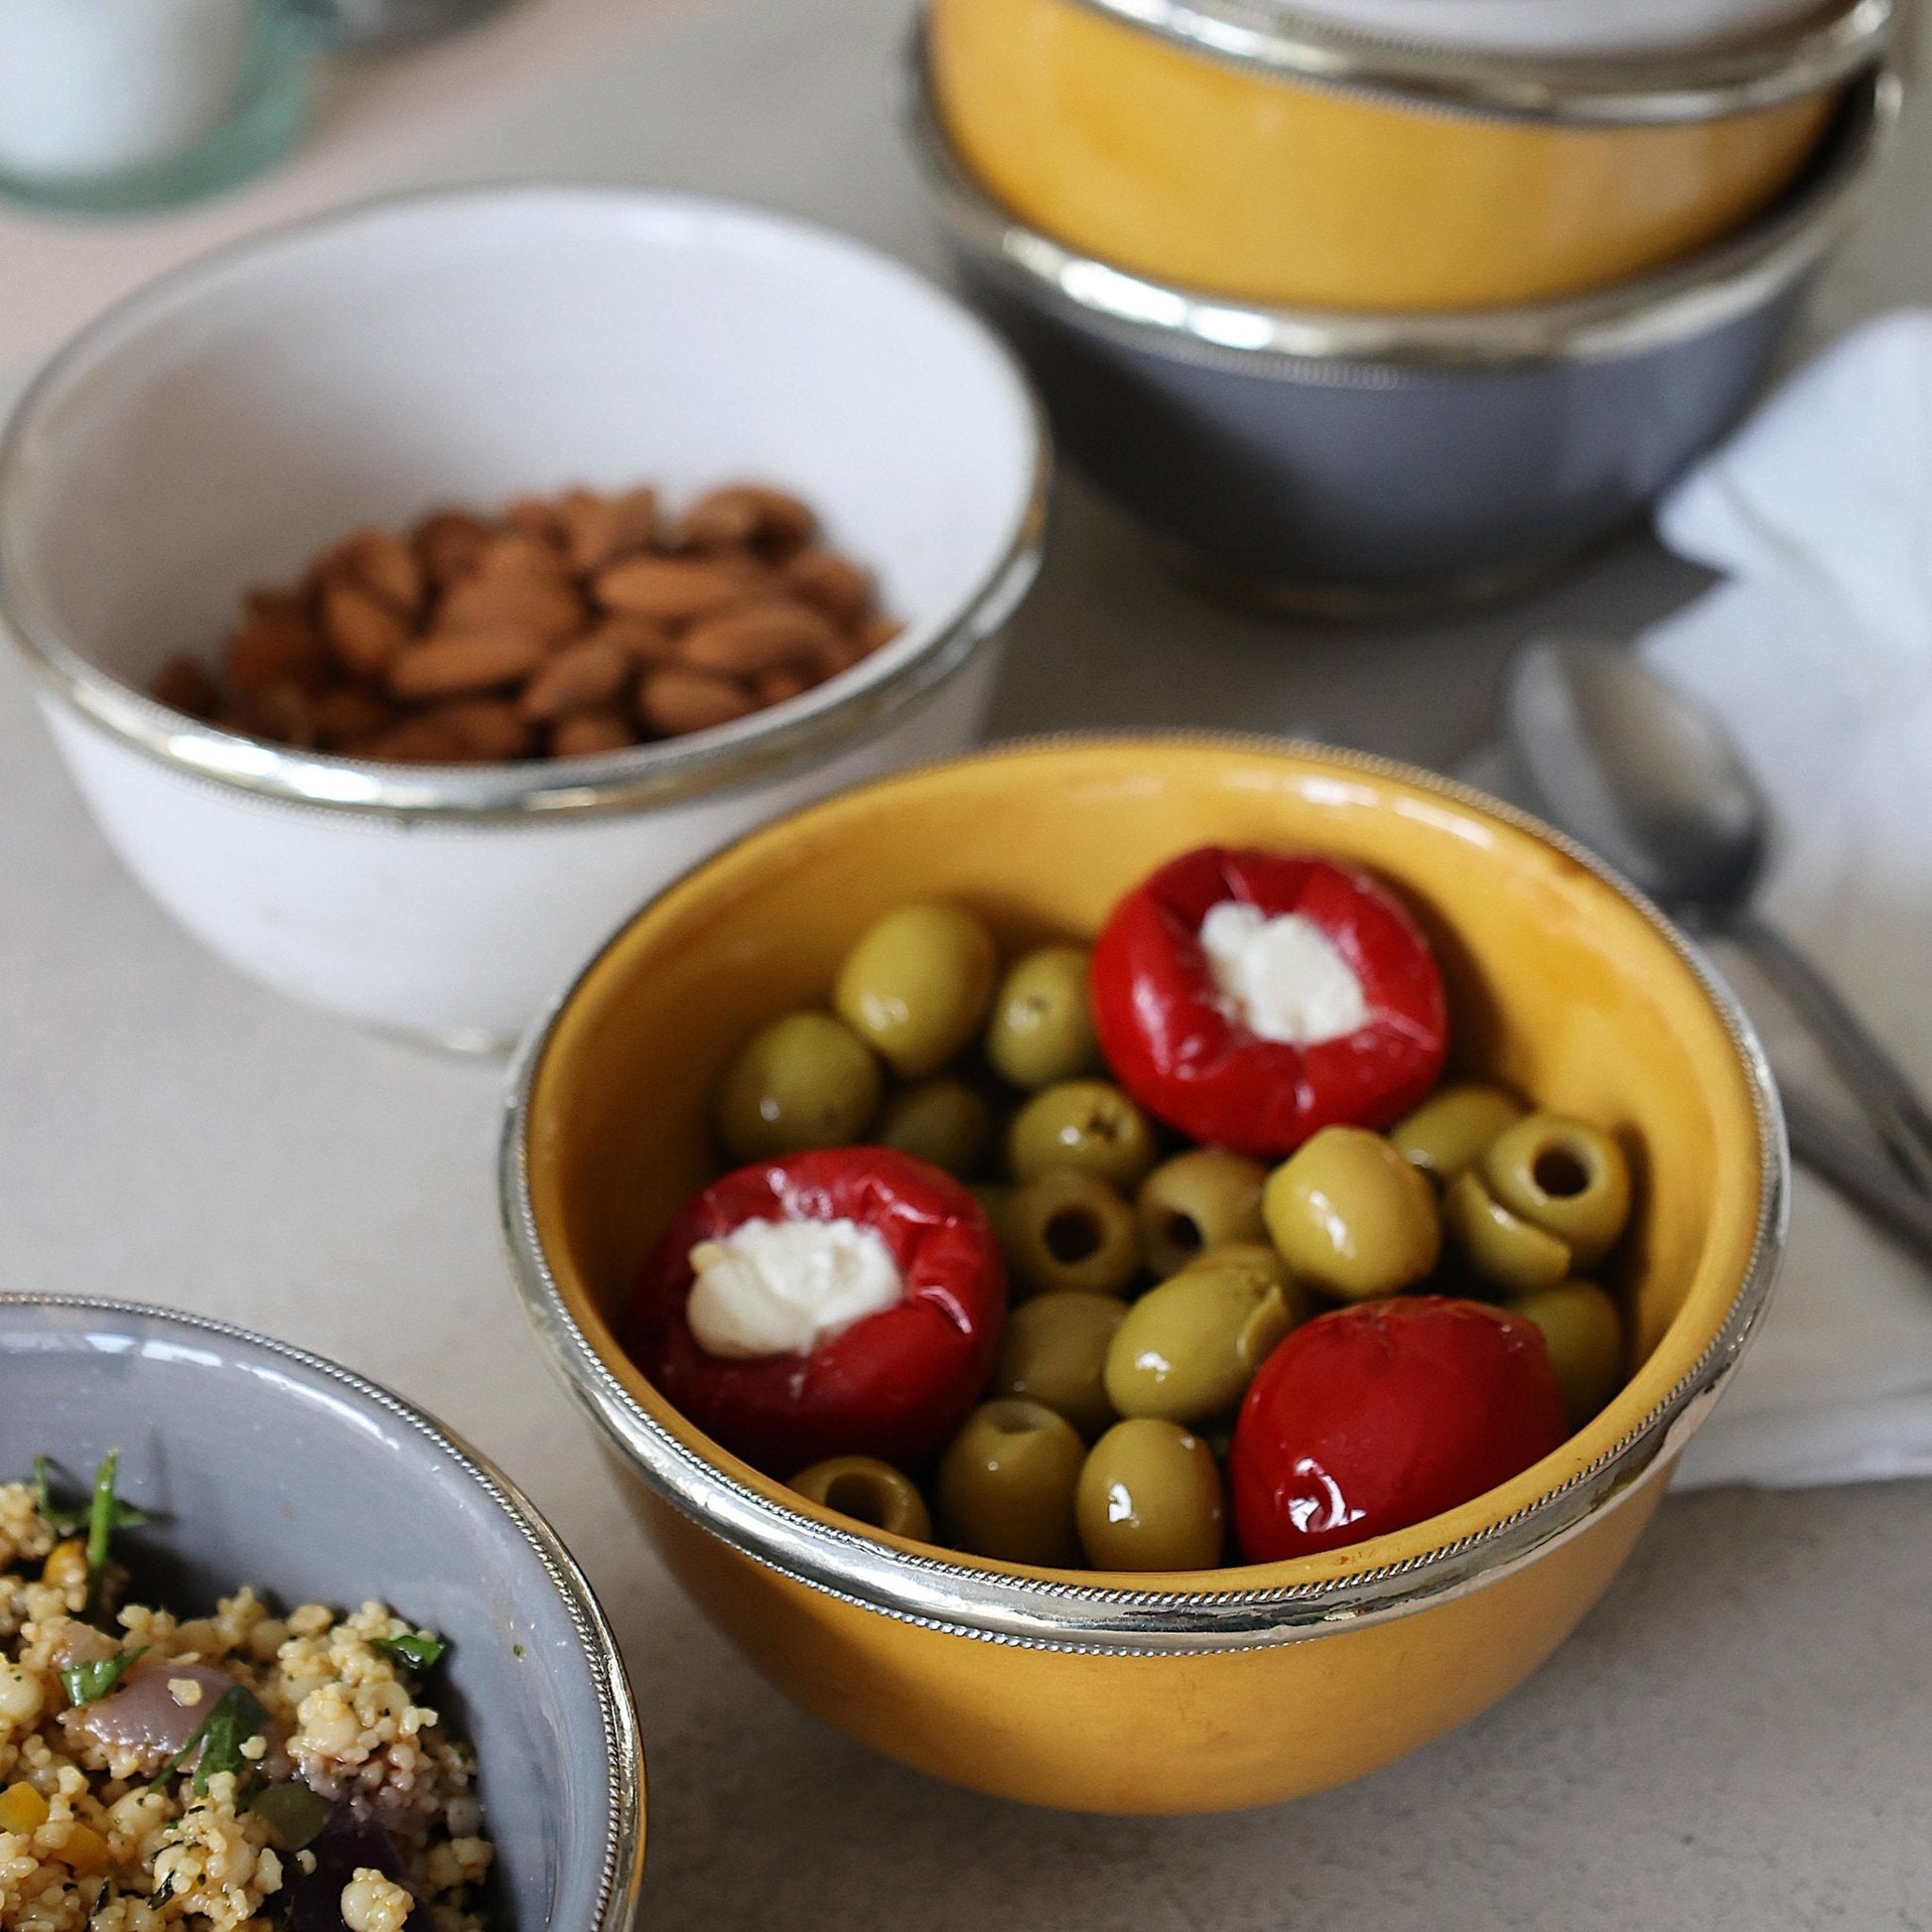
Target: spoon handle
x: 1836, y: 1155
x: 1880, y: 1084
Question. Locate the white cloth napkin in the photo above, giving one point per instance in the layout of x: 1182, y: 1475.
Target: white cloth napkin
x: 1817, y: 651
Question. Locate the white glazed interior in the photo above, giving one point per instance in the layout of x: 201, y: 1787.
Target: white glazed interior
x: 469, y: 348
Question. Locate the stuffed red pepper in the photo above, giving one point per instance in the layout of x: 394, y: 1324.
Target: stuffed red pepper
x: 1375, y: 1416
x: 1250, y: 998
x: 845, y: 1302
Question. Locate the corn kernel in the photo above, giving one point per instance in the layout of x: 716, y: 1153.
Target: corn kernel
x: 67, y: 1564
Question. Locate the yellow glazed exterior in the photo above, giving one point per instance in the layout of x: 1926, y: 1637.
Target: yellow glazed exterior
x: 1560, y: 985
x: 1157, y: 160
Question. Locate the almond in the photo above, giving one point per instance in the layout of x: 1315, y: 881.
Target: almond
x: 350, y: 714
x: 183, y: 685
x: 673, y: 589
x: 285, y: 714
x: 450, y: 544
x: 589, y: 733
x: 589, y: 675
x: 365, y: 633
x: 427, y: 740
x: 745, y: 515
x: 276, y: 647
x: 671, y: 701
x: 495, y: 596
x: 598, y: 529
x: 831, y: 582
x: 782, y: 681
x: 381, y: 564
x: 758, y: 637
x: 641, y: 640
x: 490, y: 728
x: 476, y: 660
x: 536, y: 518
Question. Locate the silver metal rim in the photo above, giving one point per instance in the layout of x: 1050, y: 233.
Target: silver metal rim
x: 1595, y: 90
x: 1630, y: 319
x: 624, y: 1841
x: 959, y: 1599
x: 803, y: 731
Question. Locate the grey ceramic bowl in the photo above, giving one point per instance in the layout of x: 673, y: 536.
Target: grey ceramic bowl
x: 262, y: 1464
x: 1352, y: 463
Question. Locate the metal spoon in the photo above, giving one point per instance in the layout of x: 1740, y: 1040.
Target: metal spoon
x: 1638, y: 771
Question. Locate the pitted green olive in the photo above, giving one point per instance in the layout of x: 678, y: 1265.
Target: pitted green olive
x: 1350, y: 1216
x: 1501, y: 1247
x: 915, y: 986
x: 1069, y: 1230
x: 1084, y: 1123
x: 868, y: 1491
x: 1054, y: 1351
x: 942, y: 1121
x: 1584, y: 1334
x: 1198, y: 1200
x: 1189, y: 1348
x: 1006, y: 1484
x: 1042, y: 1030
x: 1259, y: 1262
x: 803, y: 1081
x: 1569, y: 1178
x: 1150, y: 1499
x: 1454, y: 1129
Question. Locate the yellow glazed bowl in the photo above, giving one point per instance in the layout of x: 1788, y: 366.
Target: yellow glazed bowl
x: 1158, y: 160
x: 1220, y: 1689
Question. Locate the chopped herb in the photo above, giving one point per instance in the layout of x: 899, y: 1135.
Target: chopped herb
x: 236, y: 1716
x: 419, y: 1649
x: 87, y: 1683
x: 163, y: 1892
x: 516, y: 1650
x: 63, y: 1522
x: 294, y: 1813
x: 105, y: 1515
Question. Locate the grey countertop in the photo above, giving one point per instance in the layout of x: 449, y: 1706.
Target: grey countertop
x: 1740, y: 1735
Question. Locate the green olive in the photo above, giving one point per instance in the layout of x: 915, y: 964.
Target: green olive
x: 1006, y: 1484
x: 916, y: 983
x: 1569, y: 1178
x: 1055, y: 1351
x: 1501, y: 1247
x: 1069, y: 1230
x: 1261, y: 1264
x: 1084, y: 1123
x: 1581, y: 1324
x: 1150, y: 1499
x: 1189, y: 1348
x: 942, y: 1121
x: 1453, y: 1129
x: 1042, y: 1030
x: 1197, y: 1200
x: 805, y: 1080
x: 868, y: 1491
x: 1350, y: 1216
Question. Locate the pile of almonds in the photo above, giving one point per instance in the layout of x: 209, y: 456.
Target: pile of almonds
x: 565, y: 627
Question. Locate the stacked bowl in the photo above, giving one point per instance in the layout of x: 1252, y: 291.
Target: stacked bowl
x: 1371, y: 301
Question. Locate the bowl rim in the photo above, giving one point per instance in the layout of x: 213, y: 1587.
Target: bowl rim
x: 1731, y: 74
x: 1692, y: 297
x: 1037, y: 1609
x: 701, y: 764
x: 625, y: 1772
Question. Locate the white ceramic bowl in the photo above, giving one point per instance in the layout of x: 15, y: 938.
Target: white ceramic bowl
x: 219, y: 428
